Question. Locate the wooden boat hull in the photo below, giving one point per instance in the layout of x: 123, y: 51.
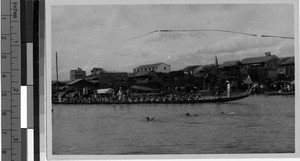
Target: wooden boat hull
x: 215, y: 100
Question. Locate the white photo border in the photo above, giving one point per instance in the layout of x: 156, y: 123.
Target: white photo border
x: 47, y: 139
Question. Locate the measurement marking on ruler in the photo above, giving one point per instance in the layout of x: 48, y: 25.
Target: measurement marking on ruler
x: 6, y: 72
x: 15, y: 45
x: 6, y: 110
x: 5, y: 34
x: 15, y: 118
x: 6, y: 91
x: 15, y: 69
x: 9, y: 130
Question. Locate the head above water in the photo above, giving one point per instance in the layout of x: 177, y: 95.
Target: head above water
x: 187, y: 114
x: 149, y: 119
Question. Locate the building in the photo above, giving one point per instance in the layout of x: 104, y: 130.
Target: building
x: 144, y: 77
x: 207, y: 70
x: 77, y: 74
x: 231, y: 69
x: 158, y: 68
x: 193, y: 70
x: 261, y: 68
x: 286, y: 68
x: 97, y: 71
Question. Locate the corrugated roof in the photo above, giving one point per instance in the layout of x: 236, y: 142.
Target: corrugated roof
x: 261, y: 59
x: 286, y: 61
x: 190, y: 68
x: 230, y: 64
x: 149, y: 65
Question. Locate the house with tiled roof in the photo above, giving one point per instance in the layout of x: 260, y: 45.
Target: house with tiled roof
x: 231, y: 69
x: 230, y: 64
x: 157, y: 67
x: 268, y: 61
x: 261, y: 68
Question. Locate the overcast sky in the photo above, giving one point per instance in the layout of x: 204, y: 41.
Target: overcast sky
x: 95, y: 36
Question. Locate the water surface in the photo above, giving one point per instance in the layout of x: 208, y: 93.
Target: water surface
x: 261, y: 124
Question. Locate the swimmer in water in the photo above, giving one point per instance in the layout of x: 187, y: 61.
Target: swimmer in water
x: 149, y: 119
x: 222, y: 113
x: 188, y: 114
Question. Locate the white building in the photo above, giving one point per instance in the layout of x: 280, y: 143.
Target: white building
x: 158, y: 68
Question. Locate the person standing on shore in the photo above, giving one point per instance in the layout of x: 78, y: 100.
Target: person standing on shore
x: 228, y: 89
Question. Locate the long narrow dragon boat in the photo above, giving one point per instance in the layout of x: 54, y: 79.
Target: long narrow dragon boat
x: 210, y: 100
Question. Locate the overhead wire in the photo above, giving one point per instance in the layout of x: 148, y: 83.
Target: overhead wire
x: 235, y: 32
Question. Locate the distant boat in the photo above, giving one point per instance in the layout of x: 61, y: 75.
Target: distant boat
x: 280, y: 93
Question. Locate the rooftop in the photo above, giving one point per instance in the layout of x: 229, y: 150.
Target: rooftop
x: 286, y: 61
x: 150, y: 65
x: 262, y: 59
x: 230, y: 64
x: 190, y: 68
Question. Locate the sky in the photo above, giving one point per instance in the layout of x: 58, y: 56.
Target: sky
x: 97, y: 35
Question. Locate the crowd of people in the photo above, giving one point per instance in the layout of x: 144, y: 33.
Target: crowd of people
x: 125, y: 98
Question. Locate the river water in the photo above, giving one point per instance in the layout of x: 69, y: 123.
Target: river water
x: 260, y: 124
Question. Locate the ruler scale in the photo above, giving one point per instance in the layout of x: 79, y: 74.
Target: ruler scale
x: 10, y: 80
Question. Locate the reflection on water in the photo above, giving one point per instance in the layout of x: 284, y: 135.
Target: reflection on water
x: 260, y: 124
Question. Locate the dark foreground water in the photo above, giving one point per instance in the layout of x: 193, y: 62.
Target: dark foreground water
x: 261, y: 124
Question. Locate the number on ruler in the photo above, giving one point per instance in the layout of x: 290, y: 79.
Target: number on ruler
x: 4, y: 94
x: 3, y: 56
x: 4, y: 113
x: 15, y: 139
x: 3, y: 75
x: 15, y: 89
x: 4, y: 132
x: 3, y: 37
x: 4, y: 151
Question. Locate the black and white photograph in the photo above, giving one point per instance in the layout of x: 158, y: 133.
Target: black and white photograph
x: 173, y: 78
